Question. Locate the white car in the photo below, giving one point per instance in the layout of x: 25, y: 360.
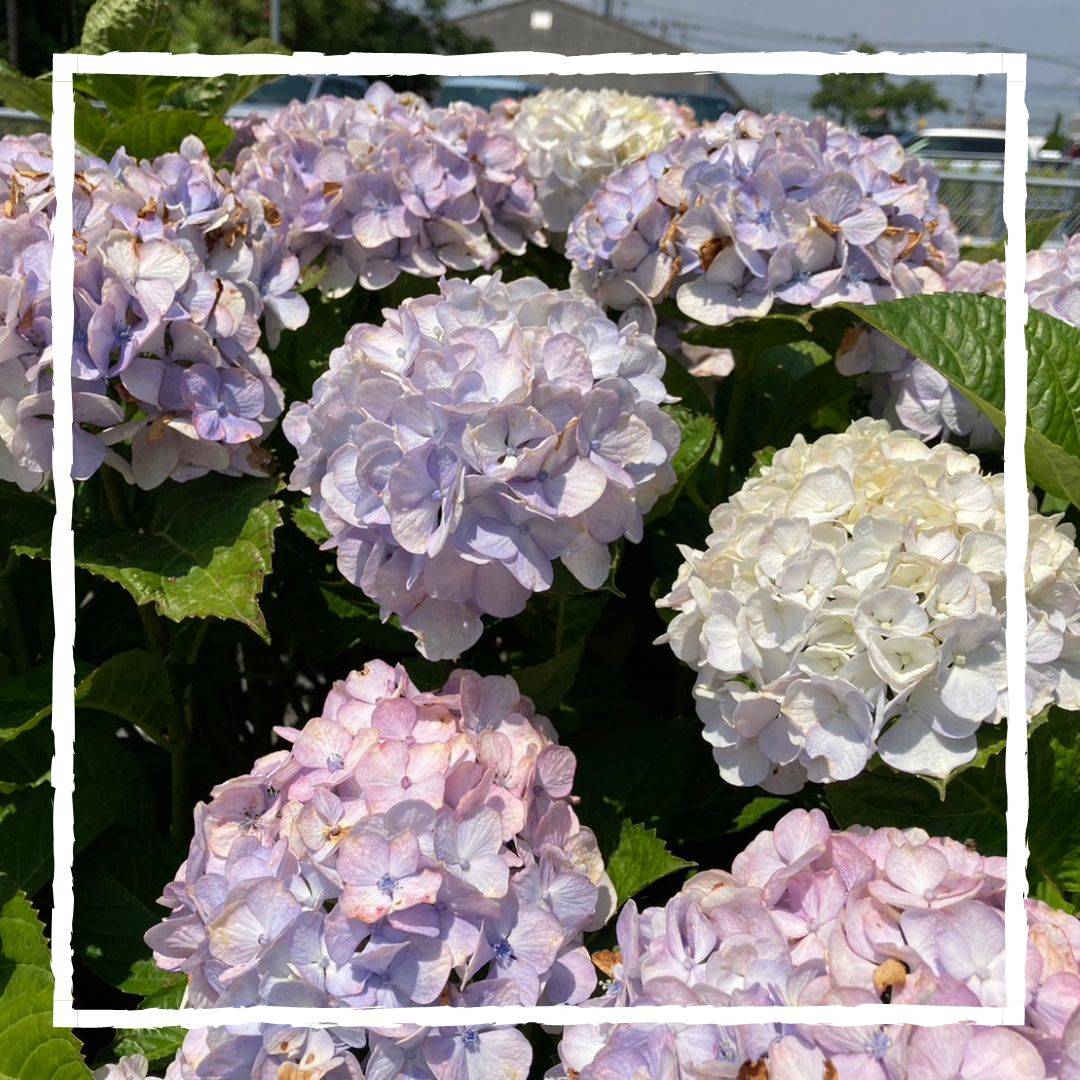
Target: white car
x: 272, y: 96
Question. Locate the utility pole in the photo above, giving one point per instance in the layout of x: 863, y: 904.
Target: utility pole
x: 275, y: 21
x: 609, y: 9
x: 12, y: 12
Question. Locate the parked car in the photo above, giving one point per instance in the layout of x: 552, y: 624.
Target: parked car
x: 483, y: 90
x: 706, y: 106
x: 957, y: 144
x: 272, y: 96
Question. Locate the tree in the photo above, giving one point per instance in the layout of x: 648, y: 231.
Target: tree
x: 872, y: 100
x: 330, y: 26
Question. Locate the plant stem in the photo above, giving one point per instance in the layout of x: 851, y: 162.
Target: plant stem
x: 731, y: 427
x: 560, y: 612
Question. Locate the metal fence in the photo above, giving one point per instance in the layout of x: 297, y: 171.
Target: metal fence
x: 975, y: 203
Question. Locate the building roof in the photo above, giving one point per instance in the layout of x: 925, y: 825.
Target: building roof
x: 576, y: 31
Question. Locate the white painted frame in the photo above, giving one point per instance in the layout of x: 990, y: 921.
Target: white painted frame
x: 1012, y: 65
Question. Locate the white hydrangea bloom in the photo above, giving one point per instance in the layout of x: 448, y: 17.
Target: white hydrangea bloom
x: 851, y: 602
x: 574, y: 138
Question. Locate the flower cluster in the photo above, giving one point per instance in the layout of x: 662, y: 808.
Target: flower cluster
x: 812, y: 917
x: 480, y: 434
x: 574, y: 138
x: 175, y: 269
x: 850, y: 601
x: 409, y: 848
x: 25, y: 310
x: 388, y: 185
x: 751, y: 211
x: 1053, y: 281
x: 259, y: 1053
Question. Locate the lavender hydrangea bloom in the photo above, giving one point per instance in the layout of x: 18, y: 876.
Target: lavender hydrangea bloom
x: 387, y: 185
x: 850, y: 602
x: 409, y: 848
x: 177, y: 274
x: 479, y: 435
x: 258, y: 1052
x: 751, y: 211
x: 911, y: 394
x: 811, y: 917
x: 25, y: 310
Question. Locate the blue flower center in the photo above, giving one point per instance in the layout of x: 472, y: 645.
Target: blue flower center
x: 764, y: 217
x: 471, y: 1039
x: 387, y: 883
x: 436, y: 495
x: 879, y: 1044
x: 503, y: 950
x: 124, y: 333
x: 334, y: 762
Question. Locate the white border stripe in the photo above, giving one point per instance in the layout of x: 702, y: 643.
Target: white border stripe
x: 63, y: 542
x: 1016, y: 533
x: 1012, y: 65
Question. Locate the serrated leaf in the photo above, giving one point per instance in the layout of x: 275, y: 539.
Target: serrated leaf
x: 127, y: 26
x: 124, y: 95
x: 30, y: 1047
x: 159, y: 131
x: 157, y: 1045
x: 204, y: 554
x: 962, y: 336
x: 17, y: 91
x: 639, y: 859
x: 133, y: 686
x: 149, y: 981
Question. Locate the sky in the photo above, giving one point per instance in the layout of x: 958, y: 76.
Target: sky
x: 1048, y: 30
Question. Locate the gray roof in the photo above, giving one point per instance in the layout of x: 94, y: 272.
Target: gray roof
x: 576, y: 31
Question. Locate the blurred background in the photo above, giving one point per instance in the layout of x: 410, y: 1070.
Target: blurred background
x: 958, y: 122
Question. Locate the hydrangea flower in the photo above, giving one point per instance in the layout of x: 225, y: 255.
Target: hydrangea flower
x: 752, y: 211
x: 409, y: 848
x: 258, y: 1052
x: 177, y: 273
x: 25, y: 310
x: 479, y: 435
x: 574, y: 138
x: 808, y: 916
x: 386, y: 185
x: 850, y: 602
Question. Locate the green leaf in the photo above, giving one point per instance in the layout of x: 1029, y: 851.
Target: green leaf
x: 218, y: 94
x: 164, y: 988
x: 822, y: 385
x: 309, y: 523
x: 157, y: 1045
x: 17, y: 91
x: 25, y: 521
x: 548, y: 682
x: 205, y: 552
x: 125, y: 95
x: 26, y: 838
x: 639, y: 859
x: 756, y: 809
x: 25, y: 761
x: 30, y: 1047
x: 698, y: 432
x: 1053, y: 840
x: 962, y: 336
x: 133, y: 686
x: 127, y: 26
x: 747, y: 336
x: 689, y: 389
x: 25, y: 699
x: 150, y: 134
x: 1039, y: 230
x: 117, y: 882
